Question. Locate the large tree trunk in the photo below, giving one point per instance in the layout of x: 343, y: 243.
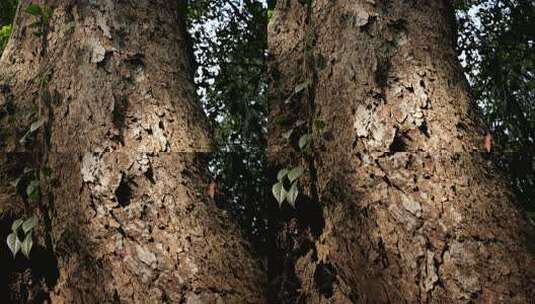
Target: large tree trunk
x: 124, y: 211
x: 410, y: 209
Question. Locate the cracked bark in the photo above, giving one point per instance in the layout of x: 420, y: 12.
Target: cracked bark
x: 130, y: 220
x: 412, y: 211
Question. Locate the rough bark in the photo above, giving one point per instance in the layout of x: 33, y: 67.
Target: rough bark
x: 410, y: 208
x: 125, y: 213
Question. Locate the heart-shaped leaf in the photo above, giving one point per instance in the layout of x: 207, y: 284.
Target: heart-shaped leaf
x: 282, y: 173
x: 295, y: 173
x: 291, y: 196
x: 279, y: 192
x: 16, y: 182
x: 29, y: 224
x: 26, y: 246
x: 32, y: 190
x: 13, y: 243
x: 304, y: 141
x: 16, y: 224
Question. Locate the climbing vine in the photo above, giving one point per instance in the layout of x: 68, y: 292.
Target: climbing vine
x: 28, y: 184
x: 312, y: 130
x: 288, y: 178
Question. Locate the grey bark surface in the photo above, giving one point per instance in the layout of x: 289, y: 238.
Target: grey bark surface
x: 411, y: 210
x: 128, y: 217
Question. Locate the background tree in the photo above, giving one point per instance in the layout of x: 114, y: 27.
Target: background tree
x: 230, y: 48
x: 496, y: 42
x: 7, y: 12
x: 408, y: 207
x: 99, y: 103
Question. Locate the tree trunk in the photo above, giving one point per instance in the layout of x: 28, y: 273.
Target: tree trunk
x: 124, y: 210
x: 409, y: 208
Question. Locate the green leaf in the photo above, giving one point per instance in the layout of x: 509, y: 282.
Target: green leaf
x: 16, y: 224
x: 292, y: 194
x: 5, y: 32
x: 295, y: 173
x: 23, y: 139
x: 47, y: 13
x: 300, y: 87
x: 34, y: 9
x: 279, y: 192
x: 13, y: 243
x: 319, y: 124
x: 269, y: 14
x: 304, y: 141
x: 299, y: 123
x: 34, y: 196
x: 47, y: 172
x: 287, y: 135
x: 32, y: 190
x: 37, y: 124
x: 282, y: 173
x: 35, y: 24
x: 34, y: 126
x: 531, y: 217
x: 29, y: 224
x: 38, y: 34
x: 289, y: 99
x: 26, y: 245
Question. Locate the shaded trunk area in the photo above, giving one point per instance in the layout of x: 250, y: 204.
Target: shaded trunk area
x: 98, y: 103
x: 401, y: 203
